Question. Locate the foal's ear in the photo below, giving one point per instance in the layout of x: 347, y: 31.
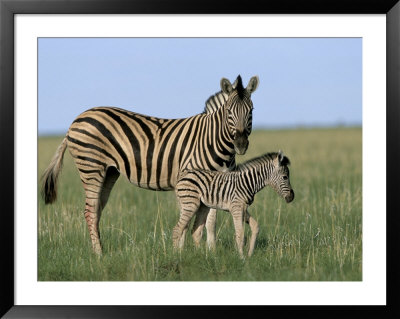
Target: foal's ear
x: 281, y: 160
x: 253, y: 84
x: 277, y: 159
x: 226, y: 86
x: 280, y: 156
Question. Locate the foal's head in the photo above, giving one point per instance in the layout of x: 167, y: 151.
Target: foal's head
x: 279, y: 178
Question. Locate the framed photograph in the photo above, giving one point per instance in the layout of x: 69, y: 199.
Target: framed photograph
x: 306, y: 86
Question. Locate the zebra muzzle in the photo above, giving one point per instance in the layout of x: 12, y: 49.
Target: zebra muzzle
x: 290, y: 196
x: 241, y: 143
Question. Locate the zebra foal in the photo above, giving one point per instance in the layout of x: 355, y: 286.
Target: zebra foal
x: 232, y: 191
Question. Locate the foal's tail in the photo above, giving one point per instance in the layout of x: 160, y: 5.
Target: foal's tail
x: 50, y: 175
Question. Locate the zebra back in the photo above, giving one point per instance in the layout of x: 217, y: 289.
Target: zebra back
x: 151, y: 151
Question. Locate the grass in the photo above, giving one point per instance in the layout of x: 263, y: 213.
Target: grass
x: 317, y: 237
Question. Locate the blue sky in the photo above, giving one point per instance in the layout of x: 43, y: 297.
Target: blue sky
x: 303, y: 81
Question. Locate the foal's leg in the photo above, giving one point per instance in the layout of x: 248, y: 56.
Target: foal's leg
x: 206, y: 217
x: 199, y: 223
x: 238, y: 216
x: 187, y: 212
x: 254, y: 232
x: 211, y: 228
x: 181, y: 241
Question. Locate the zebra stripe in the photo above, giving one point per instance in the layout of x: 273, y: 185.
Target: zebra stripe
x: 231, y: 191
x: 108, y: 141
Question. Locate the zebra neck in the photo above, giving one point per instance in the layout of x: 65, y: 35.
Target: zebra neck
x: 256, y: 177
x: 217, y: 139
x: 224, y: 131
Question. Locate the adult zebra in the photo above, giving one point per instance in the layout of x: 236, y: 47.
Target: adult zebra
x: 106, y: 142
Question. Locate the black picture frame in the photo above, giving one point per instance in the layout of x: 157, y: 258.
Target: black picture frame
x: 8, y: 9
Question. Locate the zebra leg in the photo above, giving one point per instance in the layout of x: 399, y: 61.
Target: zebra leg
x: 112, y: 175
x: 187, y: 212
x: 183, y: 236
x: 92, y: 217
x: 254, y: 232
x: 97, y: 193
x: 238, y: 215
x: 199, y: 223
x: 211, y: 228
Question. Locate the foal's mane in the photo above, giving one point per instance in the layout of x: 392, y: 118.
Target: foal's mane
x: 261, y: 160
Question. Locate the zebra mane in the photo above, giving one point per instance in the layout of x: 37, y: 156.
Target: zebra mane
x: 256, y: 161
x: 239, y: 87
x: 214, y: 102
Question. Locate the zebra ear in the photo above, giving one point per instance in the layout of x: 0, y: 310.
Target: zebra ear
x: 279, y: 158
x: 253, y: 84
x: 226, y: 86
x: 282, y: 159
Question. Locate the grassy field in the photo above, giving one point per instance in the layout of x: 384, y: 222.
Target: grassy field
x: 317, y: 237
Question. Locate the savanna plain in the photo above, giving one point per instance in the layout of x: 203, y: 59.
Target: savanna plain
x: 317, y: 237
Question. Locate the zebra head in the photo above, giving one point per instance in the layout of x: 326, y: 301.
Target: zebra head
x: 239, y: 108
x: 279, y: 178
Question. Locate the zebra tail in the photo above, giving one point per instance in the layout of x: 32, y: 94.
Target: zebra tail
x: 50, y: 175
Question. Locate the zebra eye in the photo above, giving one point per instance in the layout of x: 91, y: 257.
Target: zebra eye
x: 285, y: 177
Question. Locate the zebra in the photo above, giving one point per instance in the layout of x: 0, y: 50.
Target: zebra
x: 232, y: 191
x: 105, y: 142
